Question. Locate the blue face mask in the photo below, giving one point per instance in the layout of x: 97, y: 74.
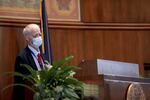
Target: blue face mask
x: 37, y: 42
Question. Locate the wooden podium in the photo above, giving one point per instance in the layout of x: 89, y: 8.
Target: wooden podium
x: 111, y: 87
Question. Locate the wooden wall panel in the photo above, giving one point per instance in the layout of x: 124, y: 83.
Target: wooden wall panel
x: 146, y: 46
x: 10, y: 44
x: 93, y: 41
x: 120, y: 45
x: 111, y: 48
x: 115, y: 30
x: 115, y: 11
x: 8, y: 50
x: 67, y: 42
x: 83, y: 44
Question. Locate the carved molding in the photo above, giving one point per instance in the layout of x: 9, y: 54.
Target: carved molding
x: 135, y: 92
x: 75, y: 25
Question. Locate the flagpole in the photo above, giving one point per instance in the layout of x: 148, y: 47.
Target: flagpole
x: 43, y: 49
x: 46, y: 45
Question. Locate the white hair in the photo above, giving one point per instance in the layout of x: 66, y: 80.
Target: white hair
x: 28, y: 29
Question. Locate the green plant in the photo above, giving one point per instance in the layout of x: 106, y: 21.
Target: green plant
x: 55, y: 82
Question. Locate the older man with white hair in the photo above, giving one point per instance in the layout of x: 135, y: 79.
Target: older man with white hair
x: 30, y: 55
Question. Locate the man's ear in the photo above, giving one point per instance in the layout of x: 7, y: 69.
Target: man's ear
x: 27, y: 39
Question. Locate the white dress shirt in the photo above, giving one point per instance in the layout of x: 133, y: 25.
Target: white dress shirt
x: 35, y: 57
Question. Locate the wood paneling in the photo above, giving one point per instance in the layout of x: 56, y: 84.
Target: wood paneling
x: 83, y: 44
x: 115, y: 30
x: 92, y: 44
x: 115, y: 11
x: 146, y: 46
x: 120, y: 45
x: 10, y: 43
x: 121, y: 85
x: 67, y: 42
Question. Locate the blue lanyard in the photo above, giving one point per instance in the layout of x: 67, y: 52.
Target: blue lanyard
x: 36, y: 57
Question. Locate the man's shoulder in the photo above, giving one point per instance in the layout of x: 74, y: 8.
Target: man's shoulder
x: 24, y: 52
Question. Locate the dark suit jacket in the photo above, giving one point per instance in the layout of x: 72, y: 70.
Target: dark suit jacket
x: 24, y: 57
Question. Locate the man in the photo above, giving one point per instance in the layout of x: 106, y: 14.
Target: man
x: 30, y: 55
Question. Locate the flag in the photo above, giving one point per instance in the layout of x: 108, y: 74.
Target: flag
x: 46, y: 46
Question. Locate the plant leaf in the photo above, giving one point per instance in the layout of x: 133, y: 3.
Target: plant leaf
x: 23, y: 85
x: 63, y: 61
x: 37, y: 96
x: 71, y: 93
x: 18, y: 74
x: 30, y: 69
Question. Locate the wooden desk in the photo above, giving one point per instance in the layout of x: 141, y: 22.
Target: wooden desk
x: 110, y: 87
x: 116, y: 86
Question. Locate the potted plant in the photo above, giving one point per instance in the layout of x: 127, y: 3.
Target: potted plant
x: 55, y: 82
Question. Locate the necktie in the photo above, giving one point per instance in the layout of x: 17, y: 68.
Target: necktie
x: 40, y: 60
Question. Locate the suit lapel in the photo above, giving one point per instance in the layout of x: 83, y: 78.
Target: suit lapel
x: 30, y: 58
